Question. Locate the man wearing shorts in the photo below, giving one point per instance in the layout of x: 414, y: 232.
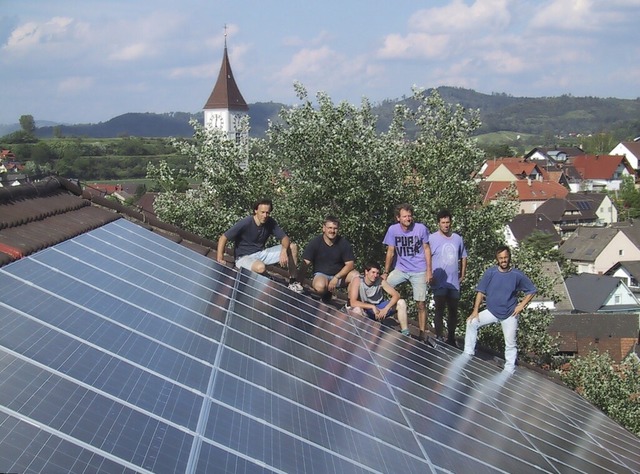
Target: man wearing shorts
x: 332, y: 258
x: 250, y: 236
x: 366, y: 298
x: 408, y: 245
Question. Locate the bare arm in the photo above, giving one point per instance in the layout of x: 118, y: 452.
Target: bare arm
x: 342, y: 274
x: 523, y: 304
x: 284, y: 258
x: 476, y: 306
x: 463, y: 268
x: 427, y: 257
x: 222, y: 243
x: 388, y: 260
x: 354, y: 295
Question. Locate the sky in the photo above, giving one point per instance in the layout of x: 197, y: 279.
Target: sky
x: 73, y: 61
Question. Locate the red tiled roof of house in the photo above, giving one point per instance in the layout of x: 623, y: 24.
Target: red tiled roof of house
x: 526, y: 190
x: 516, y: 165
x: 599, y: 166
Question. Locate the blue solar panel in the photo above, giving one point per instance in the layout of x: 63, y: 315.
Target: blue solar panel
x: 122, y: 351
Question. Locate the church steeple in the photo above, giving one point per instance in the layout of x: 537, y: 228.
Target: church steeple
x: 225, y: 106
x: 226, y: 94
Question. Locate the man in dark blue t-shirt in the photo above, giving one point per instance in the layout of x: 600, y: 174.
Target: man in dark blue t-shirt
x: 332, y: 258
x: 250, y: 236
x: 500, y: 285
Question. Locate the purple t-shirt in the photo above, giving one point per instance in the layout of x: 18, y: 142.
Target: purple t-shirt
x: 446, y: 253
x: 409, y: 246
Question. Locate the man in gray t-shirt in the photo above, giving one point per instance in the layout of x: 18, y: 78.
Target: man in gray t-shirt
x: 366, y: 298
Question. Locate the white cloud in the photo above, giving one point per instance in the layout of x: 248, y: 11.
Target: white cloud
x: 132, y: 52
x: 459, y: 16
x: 75, y: 84
x: 574, y: 15
x: 55, y: 30
x: 414, y: 45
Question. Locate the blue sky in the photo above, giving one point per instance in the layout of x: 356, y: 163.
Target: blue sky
x: 88, y: 61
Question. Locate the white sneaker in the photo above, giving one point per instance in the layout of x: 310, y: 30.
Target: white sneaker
x: 296, y: 287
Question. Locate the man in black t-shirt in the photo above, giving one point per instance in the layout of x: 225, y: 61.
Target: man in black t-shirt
x: 332, y: 258
x: 250, y: 236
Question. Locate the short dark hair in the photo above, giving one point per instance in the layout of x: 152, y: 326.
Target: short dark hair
x: 503, y: 248
x: 371, y: 264
x: 263, y: 202
x: 403, y: 207
x: 443, y: 213
x: 330, y: 218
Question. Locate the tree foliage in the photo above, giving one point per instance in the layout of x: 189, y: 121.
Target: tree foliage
x: 627, y: 198
x: 614, y: 388
x: 28, y: 124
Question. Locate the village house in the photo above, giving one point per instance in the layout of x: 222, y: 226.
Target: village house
x: 630, y: 150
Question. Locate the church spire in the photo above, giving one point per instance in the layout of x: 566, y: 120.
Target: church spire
x: 226, y: 94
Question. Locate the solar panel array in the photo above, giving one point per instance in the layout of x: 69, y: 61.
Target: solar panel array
x: 122, y: 351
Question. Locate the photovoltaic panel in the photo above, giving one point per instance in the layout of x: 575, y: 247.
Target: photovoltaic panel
x: 122, y: 351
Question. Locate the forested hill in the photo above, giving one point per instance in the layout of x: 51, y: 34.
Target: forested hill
x: 499, y: 112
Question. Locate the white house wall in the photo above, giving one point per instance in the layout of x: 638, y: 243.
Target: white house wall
x: 607, y: 212
x: 621, y: 296
x: 620, y: 249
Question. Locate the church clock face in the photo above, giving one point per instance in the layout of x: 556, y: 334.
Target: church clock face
x: 237, y: 119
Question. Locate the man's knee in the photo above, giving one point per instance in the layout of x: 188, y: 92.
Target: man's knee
x: 320, y: 284
x: 401, y: 305
x: 258, y: 266
x: 421, y: 305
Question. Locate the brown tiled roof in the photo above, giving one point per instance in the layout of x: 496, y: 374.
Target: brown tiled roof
x: 39, y: 215
x: 225, y: 94
x: 599, y: 166
x: 523, y: 225
x: 517, y: 166
x: 633, y: 147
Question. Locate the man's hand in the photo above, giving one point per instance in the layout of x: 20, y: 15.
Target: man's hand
x: 333, y: 283
x: 221, y: 260
x: 383, y: 313
x: 474, y: 315
x: 284, y: 259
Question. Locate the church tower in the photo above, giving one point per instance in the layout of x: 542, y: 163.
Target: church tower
x: 225, y: 106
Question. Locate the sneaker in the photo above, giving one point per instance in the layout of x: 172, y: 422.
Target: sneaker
x: 296, y: 287
x: 405, y: 332
x: 431, y: 342
x: 422, y: 336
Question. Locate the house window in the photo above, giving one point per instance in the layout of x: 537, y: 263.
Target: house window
x: 621, y: 252
x: 616, y: 299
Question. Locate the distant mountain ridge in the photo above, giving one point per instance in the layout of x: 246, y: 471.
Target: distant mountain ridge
x: 499, y: 112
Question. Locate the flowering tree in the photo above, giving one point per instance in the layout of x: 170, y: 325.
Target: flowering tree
x: 614, y: 388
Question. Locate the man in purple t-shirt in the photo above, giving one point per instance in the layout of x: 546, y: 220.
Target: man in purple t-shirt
x: 409, y: 259
x: 500, y: 285
x: 449, y: 257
